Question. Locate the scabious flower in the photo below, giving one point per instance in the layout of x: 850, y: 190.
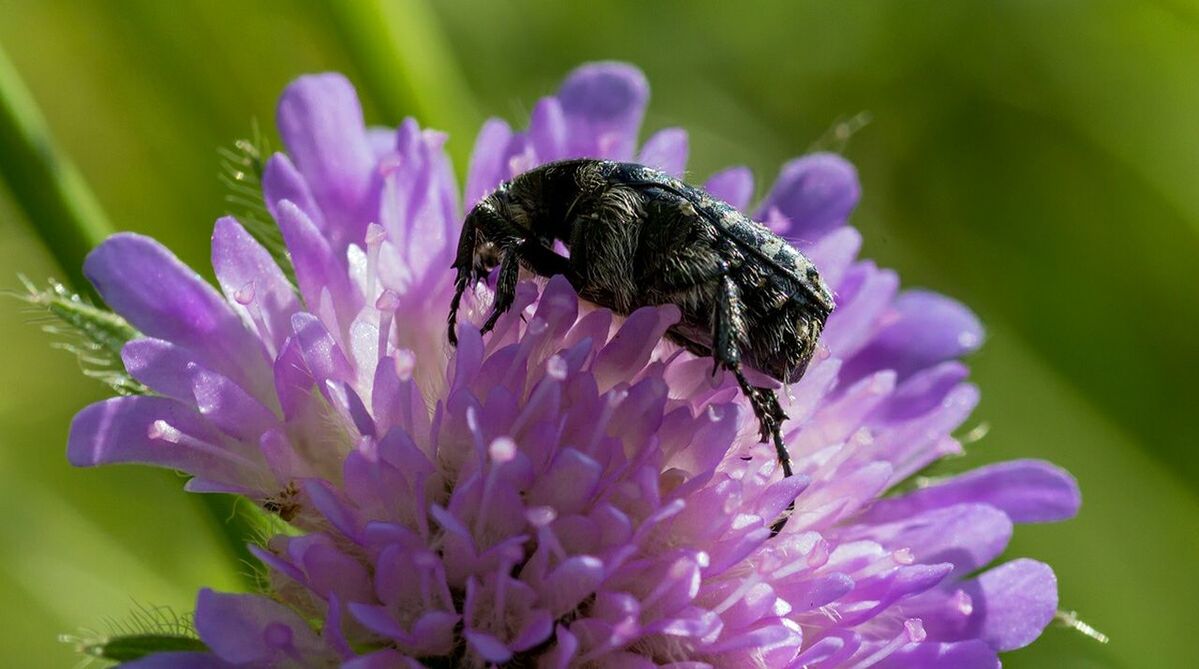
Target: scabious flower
x: 571, y: 490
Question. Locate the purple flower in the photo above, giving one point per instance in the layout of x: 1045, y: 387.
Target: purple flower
x: 570, y: 490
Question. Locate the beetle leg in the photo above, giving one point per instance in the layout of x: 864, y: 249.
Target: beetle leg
x: 459, y: 289
x: 543, y: 261
x: 726, y: 333
x: 505, y: 287
x: 463, y: 264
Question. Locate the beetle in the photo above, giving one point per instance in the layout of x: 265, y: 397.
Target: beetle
x: 636, y: 237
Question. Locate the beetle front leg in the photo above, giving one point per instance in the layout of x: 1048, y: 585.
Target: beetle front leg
x: 463, y: 264
x: 505, y: 287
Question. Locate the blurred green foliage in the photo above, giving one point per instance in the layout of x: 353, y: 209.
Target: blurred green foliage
x: 1034, y: 159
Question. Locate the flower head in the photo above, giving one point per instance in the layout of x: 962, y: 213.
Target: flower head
x: 570, y: 490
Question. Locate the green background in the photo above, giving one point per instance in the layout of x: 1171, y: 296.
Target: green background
x: 1034, y: 159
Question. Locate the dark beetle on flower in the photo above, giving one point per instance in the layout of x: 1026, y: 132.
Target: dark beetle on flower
x: 639, y: 237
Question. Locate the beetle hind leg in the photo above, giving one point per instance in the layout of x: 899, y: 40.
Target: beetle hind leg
x: 728, y: 331
x: 770, y: 416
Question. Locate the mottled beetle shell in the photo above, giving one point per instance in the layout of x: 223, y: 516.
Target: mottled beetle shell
x: 638, y: 236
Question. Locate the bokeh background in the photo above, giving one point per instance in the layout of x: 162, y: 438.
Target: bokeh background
x: 1037, y: 160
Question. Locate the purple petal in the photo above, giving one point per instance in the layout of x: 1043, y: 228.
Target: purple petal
x: 173, y: 371
x: 834, y: 254
x: 333, y: 574
x: 487, y: 168
x: 923, y: 329
x: 734, y: 185
x: 382, y: 140
x: 973, y: 654
x: 161, y: 366
x: 921, y: 393
x: 487, y: 646
x: 1028, y: 491
x: 162, y: 297
x: 317, y: 267
x: 816, y: 193
x: 282, y: 181
x: 320, y: 121
x: 561, y: 653
x: 547, y: 130
x: 178, y: 661
x: 604, y: 104
x: 383, y: 659
x: 810, y: 594
x: 252, y: 628
x: 863, y: 296
x: 634, y: 342
x: 322, y: 356
x: 570, y: 583
x: 885, y: 590
x: 228, y: 406
x: 967, y: 535
x: 666, y: 150
x: 292, y: 379
x: 252, y: 282
x: 1009, y: 606
x: 155, y: 431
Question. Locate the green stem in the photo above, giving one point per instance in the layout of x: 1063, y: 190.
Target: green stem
x: 43, y: 181
x: 70, y: 222
x: 408, y: 66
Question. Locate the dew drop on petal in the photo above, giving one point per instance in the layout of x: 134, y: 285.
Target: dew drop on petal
x: 244, y: 295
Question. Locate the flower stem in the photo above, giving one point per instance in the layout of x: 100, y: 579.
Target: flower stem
x: 57, y: 202
x: 408, y: 65
x: 65, y: 214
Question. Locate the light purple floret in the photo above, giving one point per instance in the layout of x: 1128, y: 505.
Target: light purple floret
x: 570, y: 491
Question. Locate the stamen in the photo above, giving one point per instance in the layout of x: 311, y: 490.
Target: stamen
x: 499, y: 611
x: 375, y: 234
x: 541, y: 394
x: 500, y: 451
x: 737, y: 595
x: 913, y: 632
x: 542, y: 517
x: 678, y: 571
x: 387, y: 304
x: 613, y: 400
